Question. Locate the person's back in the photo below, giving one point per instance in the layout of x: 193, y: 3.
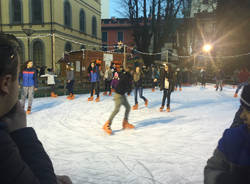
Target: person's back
x: 125, y: 83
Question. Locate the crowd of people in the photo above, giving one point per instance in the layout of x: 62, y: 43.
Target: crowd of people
x: 23, y: 158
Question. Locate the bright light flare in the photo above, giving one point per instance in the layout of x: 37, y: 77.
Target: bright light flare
x: 207, y: 48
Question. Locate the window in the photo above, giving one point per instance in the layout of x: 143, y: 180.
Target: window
x: 104, y: 47
x: 104, y: 36
x: 205, y: 1
x: 120, y: 36
x: 94, y: 26
x: 67, y: 14
x: 82, y: 21
x: 68, y: 47
x: 16, y: 11
x: 38, y: 53
x: 36, y: 9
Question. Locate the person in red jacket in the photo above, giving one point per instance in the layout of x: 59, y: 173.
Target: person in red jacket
x: 23, y: 159
x: 243, y: 80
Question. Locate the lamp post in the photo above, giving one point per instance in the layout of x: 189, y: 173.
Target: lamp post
x: 28, y: 33
x: 207, y: 48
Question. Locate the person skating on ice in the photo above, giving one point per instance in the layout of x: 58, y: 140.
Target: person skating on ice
x: 70, y: 81
x: 107, y: 80
x: 219, y: 79
x: 138, y: 80
x: 166, y: 85
x: 124, y: 86
x: 178, y: 74
x: 94, y: 78
x: 203, y: 77
x: 51, y: 82
x: 29, y: 84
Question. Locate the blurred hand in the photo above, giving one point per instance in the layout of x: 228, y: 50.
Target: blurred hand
x: 63, y: 180
x: 16, y: 118
x: 35, y: 89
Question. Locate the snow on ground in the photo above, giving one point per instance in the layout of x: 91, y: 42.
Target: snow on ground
x: 164, y: 148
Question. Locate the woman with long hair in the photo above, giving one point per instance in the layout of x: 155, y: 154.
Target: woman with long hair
x: 166, y: 85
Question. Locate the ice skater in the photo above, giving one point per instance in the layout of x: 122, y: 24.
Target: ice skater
x: 29, y: 84
x: 167, y: 86
x: 138, y: 80
x: 124, y: 86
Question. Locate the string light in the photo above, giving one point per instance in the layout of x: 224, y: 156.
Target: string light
x: 131, y: 48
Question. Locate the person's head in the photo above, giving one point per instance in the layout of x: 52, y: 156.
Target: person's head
x: 92, y: 64
x: 137, y: 69
x: 116, y: 75
x: 129, y: 69
x: 29, y: 64
x: 9, y: 69
x: 166, y: 68
x: 245, y: 102
x: 68, y: 66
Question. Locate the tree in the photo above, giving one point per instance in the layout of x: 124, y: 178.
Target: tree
x: 152, y: 22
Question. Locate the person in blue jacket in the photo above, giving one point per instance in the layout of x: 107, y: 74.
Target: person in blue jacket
x: 29, y: 78
x: 94, y: 77
x: 230, y: 163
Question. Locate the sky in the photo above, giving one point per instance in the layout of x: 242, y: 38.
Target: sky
x: 114, y: 6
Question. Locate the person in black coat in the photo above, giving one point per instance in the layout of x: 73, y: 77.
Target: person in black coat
x: 178, y: 75
x: 23, y: 159
x: 124, y: 86
x: 166, y: 85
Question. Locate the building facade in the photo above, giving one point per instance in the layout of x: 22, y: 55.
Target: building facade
x: 115, y: 30
x: 198, y: 6
x: 47, y: 28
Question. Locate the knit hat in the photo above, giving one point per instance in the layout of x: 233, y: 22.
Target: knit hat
x: 245, y: 97
x: 116, y: 75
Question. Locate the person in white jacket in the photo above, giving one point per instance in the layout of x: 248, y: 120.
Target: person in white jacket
x: 51, y: 81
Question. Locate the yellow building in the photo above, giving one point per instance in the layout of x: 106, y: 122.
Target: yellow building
x: 47, y: 28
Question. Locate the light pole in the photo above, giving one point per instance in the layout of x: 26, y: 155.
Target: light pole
x: 207, y: 48
x: 28, y: 33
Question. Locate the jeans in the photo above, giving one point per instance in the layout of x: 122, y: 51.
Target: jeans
x: 70, y: 86
x: 140, y: 90
x: 120, y: 100
x: 166, y: 94
x: 93, y: 85
x: 30, y: 92
x: 219, y: 84
x: 107, y: 85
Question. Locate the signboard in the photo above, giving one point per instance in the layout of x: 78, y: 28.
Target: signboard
x: 78, y: 66
x: 108, y: 58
